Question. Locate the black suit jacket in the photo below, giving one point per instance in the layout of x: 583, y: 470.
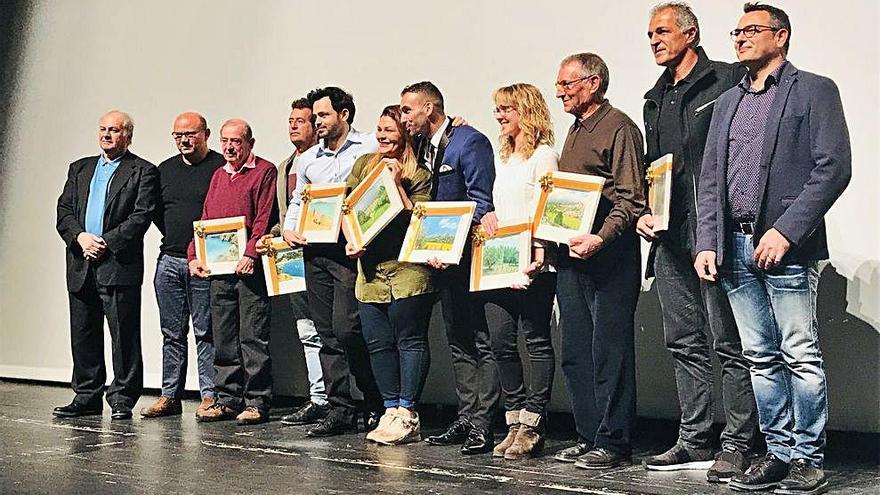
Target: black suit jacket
x: 132, y: 198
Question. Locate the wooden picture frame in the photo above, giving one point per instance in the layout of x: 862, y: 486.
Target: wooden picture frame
x: 320, y: 214
x: 370, y: 207
x: 566, y: 205
x: 220, y: 243
x: 283, y: 268
x: 499, y: 261
x: 437, y: 229
x: 659, y: 177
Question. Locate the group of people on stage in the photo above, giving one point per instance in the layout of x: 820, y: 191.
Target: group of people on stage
x: 760, y: 153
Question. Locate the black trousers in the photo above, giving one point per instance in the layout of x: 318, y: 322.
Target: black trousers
x: 241, y: 316
x: 473, y: 363
x: 597, y: 303
x: 330, y: 280
x: 505, y: 310
x: 121, y: 306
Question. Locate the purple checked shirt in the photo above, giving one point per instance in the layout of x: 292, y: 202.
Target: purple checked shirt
x: 745, y: 144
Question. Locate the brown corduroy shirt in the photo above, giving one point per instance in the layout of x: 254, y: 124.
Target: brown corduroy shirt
x: 608, y: 144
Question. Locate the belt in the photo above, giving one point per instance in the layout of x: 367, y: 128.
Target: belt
x: 747, y: 228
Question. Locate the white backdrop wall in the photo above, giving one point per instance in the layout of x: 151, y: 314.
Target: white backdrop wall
x: 250, y: 59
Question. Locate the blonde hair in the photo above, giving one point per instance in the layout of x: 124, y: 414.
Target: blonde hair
x: 408, y: 159
x: 534, y: 118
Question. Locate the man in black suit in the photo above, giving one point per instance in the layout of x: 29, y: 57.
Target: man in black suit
x: 103, y: 212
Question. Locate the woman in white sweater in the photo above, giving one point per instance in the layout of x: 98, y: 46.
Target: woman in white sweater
x: 525, y: 155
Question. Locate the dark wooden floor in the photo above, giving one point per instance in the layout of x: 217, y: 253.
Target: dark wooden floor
x: 40, y: 454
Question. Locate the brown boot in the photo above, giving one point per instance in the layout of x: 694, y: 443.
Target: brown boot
x: 252, y: 416
x: 205, y: 404
x: 512, y: 420
x: 216, y: 412
x: 164, y: 406
x: 528, y: 441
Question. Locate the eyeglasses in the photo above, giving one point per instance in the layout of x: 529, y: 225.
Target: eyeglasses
x: 570, y: 84
x: 180, y: 135
x: 751, y: 30
x: 503, y: 110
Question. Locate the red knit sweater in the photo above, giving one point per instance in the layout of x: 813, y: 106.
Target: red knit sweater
x: 249, y: 193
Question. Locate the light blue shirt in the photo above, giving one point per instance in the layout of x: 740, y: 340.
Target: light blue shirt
x: 98, y: 194
x: 319, y: 165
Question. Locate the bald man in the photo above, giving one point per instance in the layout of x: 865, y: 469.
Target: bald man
x: 104, y: 211
x: 185, y: 178
x: 240, y: 311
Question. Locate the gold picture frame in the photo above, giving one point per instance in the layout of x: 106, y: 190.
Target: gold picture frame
x: 370, y: 207
x: 499, y: 261
x: 566, y: 205
x: 283, y: 268
x: 437, y: 229
x: 220, y: 243
x: 320, y: 216
x: 659, y: 177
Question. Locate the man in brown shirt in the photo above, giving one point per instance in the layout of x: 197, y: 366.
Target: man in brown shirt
x: 598, y: 279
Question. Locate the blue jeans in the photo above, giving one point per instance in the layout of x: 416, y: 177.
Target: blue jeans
x: 775, y: 311
x: 181, y: 296
x: 396, y: 334
x: 311, y: 344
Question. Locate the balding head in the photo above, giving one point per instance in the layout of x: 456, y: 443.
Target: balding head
x: 191, y: 133
x: 237, y: 141
x: 115, y: 130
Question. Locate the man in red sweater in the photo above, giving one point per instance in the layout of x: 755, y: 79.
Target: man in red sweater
x: 240, y: 311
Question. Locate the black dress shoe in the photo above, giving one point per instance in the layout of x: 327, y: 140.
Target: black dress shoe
x: 455, y: 434
x: 121, y: 413
x: 763, y: 475
x: 803, y: 479
x: 572, y: 453
x: 335, y: 423
x: 601, y: 458
x: 478, y: 441
x: 309, y: 414
x: 75, y: 409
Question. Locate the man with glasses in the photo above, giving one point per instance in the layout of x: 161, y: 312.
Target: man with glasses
x: 777, y: 157
x: 184, y: 181
x: 598, y: 271
x: 696, y: 316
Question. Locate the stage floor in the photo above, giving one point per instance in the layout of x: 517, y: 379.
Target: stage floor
x: 92, y: 455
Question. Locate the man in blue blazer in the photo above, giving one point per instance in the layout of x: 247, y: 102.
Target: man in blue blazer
x: 777, y: 157
x: 104, y: 211
x: 463, y: 167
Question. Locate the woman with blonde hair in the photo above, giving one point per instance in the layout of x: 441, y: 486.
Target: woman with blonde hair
x: 395, y: 299
x: 525, y: 155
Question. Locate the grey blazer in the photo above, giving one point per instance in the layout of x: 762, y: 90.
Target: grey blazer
x: 805, y: 166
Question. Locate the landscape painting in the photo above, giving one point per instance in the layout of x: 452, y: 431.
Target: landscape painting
x: 289, y: 264
x: 501, y: 255
x: 222, y: 247
x: 372, y: 205
x: 565, y: 208
x: 284, y: 269
x: 437, y: 233
x: 321, y: 214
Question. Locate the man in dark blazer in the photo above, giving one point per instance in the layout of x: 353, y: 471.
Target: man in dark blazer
x: 777, y: 157
x: 463, y: 167
x: 103, y: 212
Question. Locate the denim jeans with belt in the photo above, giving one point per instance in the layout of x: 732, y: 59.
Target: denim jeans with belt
x: 180, y: 297
x: 775, y: 311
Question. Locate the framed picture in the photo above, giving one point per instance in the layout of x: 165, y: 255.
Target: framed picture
x: 220, y: 243
x: 659, y: 179
x: 566, y: 205
x: 437, y: 229
x: 284, y: 268
x: 321, y: 213
x: 370, y: 207
x: 499, y: 260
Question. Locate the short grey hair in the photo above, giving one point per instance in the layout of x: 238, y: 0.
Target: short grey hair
x: 591, y: 64
x: 127, y: 121
x: 684, y: 17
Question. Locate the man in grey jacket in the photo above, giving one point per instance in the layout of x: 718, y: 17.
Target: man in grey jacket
x: 777, y: 157
x: 696, y: 316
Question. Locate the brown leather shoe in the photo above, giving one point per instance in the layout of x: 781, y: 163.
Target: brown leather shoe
x: 164, y: 406
x: 252, y: 416
x: 205, y: 404
x: 216, y: 412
